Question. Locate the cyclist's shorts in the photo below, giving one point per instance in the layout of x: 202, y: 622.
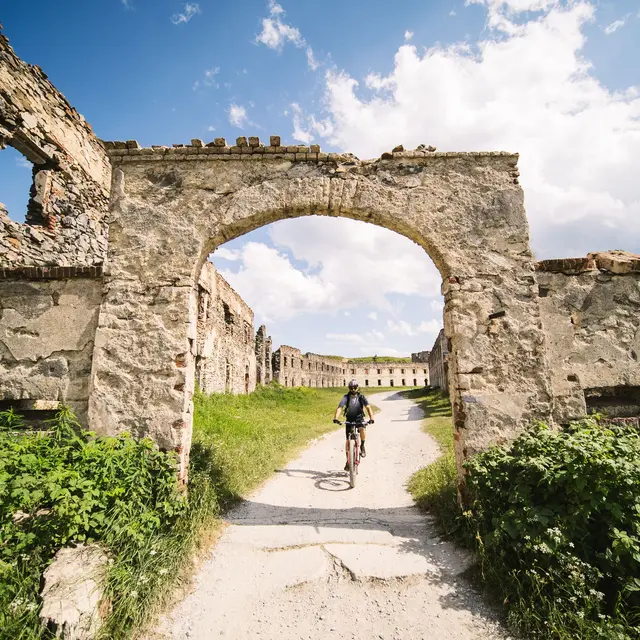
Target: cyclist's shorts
x: 346, y: 429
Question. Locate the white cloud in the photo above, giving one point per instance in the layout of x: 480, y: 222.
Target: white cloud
x: 237, y: 115
x: 437, y: 305
x: 190, y: 10
x: 372, y: 316
x: 405, y: 328
x: 227, y: 254
x: 276, y: 33
x: 211, y: 128
x: 617, y: 24
x: 299, y: 133
x: 408, y: 35
x: 452, y: 12
x: 348, y: 265
x: 127, y: 4
x: 23, y: 162
x: 581, y: 191
x: 208, y: 79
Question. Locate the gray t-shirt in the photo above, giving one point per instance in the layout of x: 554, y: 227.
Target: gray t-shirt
x: 354, y: 406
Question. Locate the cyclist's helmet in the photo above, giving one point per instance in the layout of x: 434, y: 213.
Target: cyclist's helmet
x: 353, y: 385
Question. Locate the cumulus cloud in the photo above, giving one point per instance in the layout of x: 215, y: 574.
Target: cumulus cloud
x: 408, y: 35
x: 346, y: 265
x: 276, y: 33
x: 372, y: 316
x: 190, y: 10
x: 526, y: 87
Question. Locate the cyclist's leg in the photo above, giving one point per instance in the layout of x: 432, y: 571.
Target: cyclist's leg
x: 363, y: 434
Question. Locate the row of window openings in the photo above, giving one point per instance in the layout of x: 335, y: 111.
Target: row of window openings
x: 353, y: 371
x: 366, y: 382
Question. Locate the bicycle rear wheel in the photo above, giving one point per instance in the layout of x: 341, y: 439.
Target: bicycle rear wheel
x: 352, y: 464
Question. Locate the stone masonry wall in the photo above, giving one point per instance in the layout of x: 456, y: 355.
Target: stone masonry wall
x: 65, y: 222
x: 386, y: 374
x: 264, y: 373
x: 48, y: 319
x: 225, y: 356
x: 292, y: 368
x: 438, y: 368
x: 590, y: 310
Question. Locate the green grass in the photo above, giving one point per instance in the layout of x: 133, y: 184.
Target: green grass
x: 434, y: 487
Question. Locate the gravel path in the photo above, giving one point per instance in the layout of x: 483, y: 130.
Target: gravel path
x: 307, y: 557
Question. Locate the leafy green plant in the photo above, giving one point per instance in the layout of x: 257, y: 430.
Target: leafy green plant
x: 555, y: 517
x: 66, y: 486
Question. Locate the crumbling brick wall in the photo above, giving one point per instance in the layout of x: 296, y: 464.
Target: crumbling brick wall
x: 590, y: 309
x: 225, y: 357
x: 65, y: 221
x: 48, y: 319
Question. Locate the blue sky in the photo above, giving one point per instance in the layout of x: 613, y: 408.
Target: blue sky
x: 556, y: 81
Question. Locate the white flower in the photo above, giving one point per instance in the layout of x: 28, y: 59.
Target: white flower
x: 134, y: 594
x: 152, y: 552
x: 163, y: 572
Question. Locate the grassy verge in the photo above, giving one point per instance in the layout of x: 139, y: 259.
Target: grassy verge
x: 434, y: 487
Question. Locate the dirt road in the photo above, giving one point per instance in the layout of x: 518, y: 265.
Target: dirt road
x: 307, y: 557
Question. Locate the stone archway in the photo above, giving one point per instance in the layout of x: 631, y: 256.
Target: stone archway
x: 171, y: 207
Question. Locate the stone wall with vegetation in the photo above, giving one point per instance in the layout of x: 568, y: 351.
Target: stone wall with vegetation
x: 48, y: 320
x: 591, y: 317
x: 66, y: 214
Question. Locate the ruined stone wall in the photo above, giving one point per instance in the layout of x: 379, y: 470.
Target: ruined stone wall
x: 421, y: 356
x: 263, y: 356
x: 590, y: 310
x: 386, y: 374
x: 48, y: 319
x: 291, y: 368
x: 225, y: 353
x: 71, y: 174
x: 438, y: 367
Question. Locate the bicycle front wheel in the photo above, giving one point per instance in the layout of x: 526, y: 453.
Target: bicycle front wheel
x: 352, y: 464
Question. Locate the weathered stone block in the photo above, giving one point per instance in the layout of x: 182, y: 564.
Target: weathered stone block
x: 73, y: 592
x: 274, y: 141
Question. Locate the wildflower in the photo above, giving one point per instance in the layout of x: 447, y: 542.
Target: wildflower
x: 144, y: 579
x: 152, y: 552
x: 134, y: 594
x: 163, y: 572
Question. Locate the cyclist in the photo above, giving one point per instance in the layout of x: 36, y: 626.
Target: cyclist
x: 354, y: 404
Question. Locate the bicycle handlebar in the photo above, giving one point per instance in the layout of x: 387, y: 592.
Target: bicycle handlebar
x: 346, y: 423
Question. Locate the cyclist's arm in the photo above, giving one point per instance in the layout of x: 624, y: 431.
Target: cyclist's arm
x: 341, y: 404
x: 368, y: 407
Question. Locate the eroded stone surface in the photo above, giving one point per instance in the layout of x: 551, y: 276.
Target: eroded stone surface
x: 73, y: 589
x: 466, y: 210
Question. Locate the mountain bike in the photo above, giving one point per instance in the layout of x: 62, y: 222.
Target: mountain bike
x: 353, y: 453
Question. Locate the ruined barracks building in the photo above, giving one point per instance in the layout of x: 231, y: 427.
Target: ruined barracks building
x: 105, y: 303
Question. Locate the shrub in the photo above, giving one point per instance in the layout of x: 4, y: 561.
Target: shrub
x: 67, y: 486
x: 556, y: 519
